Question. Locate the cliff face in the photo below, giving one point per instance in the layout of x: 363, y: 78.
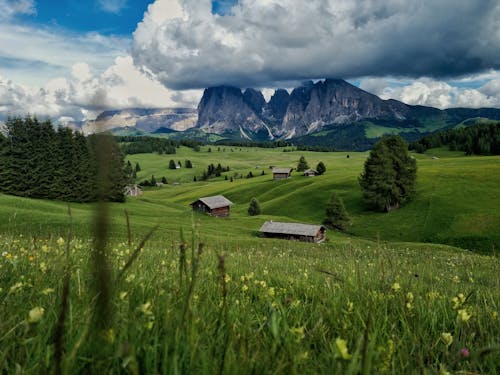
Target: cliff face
x: 225, y: 109
x: 307, y: 109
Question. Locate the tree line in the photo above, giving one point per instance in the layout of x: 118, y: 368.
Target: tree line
x: 477, y: 140
x: 38, y: 161
x: 145, y: 145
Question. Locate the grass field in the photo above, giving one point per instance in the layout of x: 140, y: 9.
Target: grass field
x: 456, y: 201
x: 378, y: 299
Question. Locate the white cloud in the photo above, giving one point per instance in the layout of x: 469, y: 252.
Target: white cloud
x: 11, y: 8
x: 112, y: 6
x: 435, y: 93
x: 264, y: 41
x: 33, y: 56
x: 84, y: 95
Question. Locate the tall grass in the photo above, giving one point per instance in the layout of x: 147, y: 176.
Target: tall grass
x: 272, y: 307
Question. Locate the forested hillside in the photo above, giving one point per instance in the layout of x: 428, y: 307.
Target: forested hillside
x: 477, y: 140
x: 41, y: 162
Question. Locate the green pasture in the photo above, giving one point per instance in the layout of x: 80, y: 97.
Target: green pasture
x: 456, y: 201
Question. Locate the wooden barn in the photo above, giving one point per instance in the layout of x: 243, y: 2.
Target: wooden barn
x: 294, y: 231
x: 217, y: 205
x: 133, y: 190
x: 282, y: 173
x: 310, y: 173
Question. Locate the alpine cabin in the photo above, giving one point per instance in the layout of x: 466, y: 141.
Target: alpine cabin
x: 294, y: 231
x: 217, y: 205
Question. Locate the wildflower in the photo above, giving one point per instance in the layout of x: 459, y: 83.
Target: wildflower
x: 31, y: 258
x: 342, y: 348
x: 43, y: 267
x: 350, y: 307
x: 60, y: 241
x: 447, y: 338
x: 494, y: 315
x: 146, y: 308
x: 45, y: 248
x: 409, y: 300
x: 227, y: 278
x: 271, y: 292
x: 395, y: 287
x: 16, y: 287
x: 244, y: 288
x: 48, y: 291
x: 386, y: 356
x: 464, y: 352
x: 458, y: 301
x: 123, y: 295
x: 463, y: 315
x: 35, y: 314
x: 298, y: 332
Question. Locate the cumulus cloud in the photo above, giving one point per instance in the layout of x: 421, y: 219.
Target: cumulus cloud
x: 436, y: 93
x: 86, y: 94
x: 11, y: 8
x: 261, y: 42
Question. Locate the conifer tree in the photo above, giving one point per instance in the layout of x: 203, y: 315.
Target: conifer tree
x: 254, y: 207
x: 336, y: 214
x: 321, y: 168
x: 302, y: 165
x: 171, y: 164
x: 388, y: 179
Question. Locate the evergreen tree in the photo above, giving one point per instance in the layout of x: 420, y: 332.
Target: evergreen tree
x: 171, y: 164
x: 254, y: 207
x: 188, y: 164
x: 388, y: 179
x: 164, y: 180
x: 336, y: 214
x: 153, y: 180
x: 137, y: 167
x: 302, y: 165
x: 320, y: 168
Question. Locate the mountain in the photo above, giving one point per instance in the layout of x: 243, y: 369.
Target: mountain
x: 226, y: 109
x: 142, y: 121
x: 331, y: 112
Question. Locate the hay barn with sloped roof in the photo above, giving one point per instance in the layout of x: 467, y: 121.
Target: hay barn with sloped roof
x: 217, y: 205
x: 282, y: 173
x: 294, y: 231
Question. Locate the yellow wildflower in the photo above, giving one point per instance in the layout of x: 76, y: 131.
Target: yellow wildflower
x: 60, y: 241
x: 298, y: 332
x: 463, y: 315
x: 396, y: 287
x: 447, y: 338
x: 35, y: 314
x: 227, y: 278
x: 244, y: 288
x: 123, y: 295
x: 48, y: 291
x: 146, y: 308
x: 342, y: 348
x: 271, y: 292
x: 458, y: 301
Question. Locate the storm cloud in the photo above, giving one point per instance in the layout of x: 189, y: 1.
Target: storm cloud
x: 262, y: 42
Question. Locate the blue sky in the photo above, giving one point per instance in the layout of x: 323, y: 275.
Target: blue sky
x: 74, y: 58
x: 118, y: 17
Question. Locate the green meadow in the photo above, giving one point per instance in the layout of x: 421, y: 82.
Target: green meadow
x: 416, y: 290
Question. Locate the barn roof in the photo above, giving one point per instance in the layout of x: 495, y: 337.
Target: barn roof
x: 282, y: 170
x: 216, y: 201
x: 290, y: 228
x: 310, y: 171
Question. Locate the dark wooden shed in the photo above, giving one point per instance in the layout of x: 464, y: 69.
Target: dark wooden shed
x: 282, y: 173
x: 217, y: 205
x: 294, y: 231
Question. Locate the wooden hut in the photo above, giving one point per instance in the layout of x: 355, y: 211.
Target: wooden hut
x: 133, y: 190
x: 217, y: 205
x: 282, y: 173
x: 310, y: 173
x: 294, y: 231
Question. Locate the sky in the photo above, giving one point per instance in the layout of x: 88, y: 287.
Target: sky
x: 71, y: 59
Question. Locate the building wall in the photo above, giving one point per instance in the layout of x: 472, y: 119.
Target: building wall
x: 220, y: 212
x: 280, y: 176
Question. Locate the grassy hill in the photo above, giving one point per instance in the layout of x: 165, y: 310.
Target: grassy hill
x: 243, y: 304
x: 456, y: 201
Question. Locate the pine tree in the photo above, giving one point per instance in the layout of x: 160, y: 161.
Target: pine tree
x: 302, y: 165
x: 336, y: 214
x: 254, y: 207
x: 320, y: 168
x: 171, y: 164
x: 164, y: 180
x: 388, y: 179
x: 188, y: 164
x: 137, y: 167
